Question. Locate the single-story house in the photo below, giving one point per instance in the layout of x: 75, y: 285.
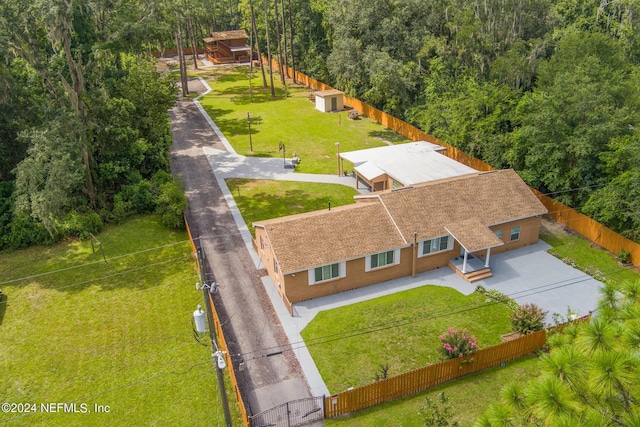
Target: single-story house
x: 329, y: 100
x: 227, y: 47
x: 402, y: 165
x: 458, y: 221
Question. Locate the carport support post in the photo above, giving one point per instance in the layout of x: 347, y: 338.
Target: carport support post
x: 214, y: 342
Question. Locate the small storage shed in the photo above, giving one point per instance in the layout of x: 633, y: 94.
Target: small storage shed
x: 329, y: 100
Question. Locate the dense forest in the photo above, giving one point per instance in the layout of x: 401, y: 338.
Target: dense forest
x: 549, y: 88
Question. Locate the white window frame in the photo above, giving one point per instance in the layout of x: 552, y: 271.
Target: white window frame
x: 342, y: 272
x: 396, y: 260
x: 498, y: 234
x: 439, y: 239
x: 515, y: 233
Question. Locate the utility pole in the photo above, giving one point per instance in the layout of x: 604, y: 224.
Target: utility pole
x: 214, y: 342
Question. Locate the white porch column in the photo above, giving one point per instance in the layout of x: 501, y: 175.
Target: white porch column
x: 464, y: 263
x: 486, y: 263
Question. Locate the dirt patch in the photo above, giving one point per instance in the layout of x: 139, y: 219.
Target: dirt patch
x: 384, y: 140
x: 551, y: 227
x: 510, y: 336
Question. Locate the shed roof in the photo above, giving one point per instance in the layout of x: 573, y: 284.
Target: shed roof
x: 409, y: 164
x: 330, y: 92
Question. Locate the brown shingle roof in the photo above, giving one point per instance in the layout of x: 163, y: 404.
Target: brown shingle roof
x: 492, y: 197
x: 473, y: 235
x: 388, y: 220
x: 226, y: 35
x: 324, y: 237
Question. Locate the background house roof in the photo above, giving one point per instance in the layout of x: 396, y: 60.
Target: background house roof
x: 328, y: 236
x: 226, y: 35
x: 491, y: 197
x: 409, y: 164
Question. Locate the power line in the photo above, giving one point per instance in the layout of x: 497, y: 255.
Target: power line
x: 103, y: 348
x: 99, y: 301
x: 135, y: 383
x: 403, y: 322
x: 91, y: 263
x: 434, y: 314
x: 574, y: 189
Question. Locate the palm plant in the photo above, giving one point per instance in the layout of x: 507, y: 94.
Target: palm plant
x: 589, y: 378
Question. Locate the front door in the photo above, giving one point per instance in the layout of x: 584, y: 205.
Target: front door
x: 334, y: 104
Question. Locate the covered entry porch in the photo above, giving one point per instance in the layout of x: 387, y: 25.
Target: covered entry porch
x: 476, y: 241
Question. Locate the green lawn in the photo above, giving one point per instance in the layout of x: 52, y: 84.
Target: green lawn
x: 264, y: 199
x: 406, y: 329
x: 292, y: 120
x: 579, y: 252
x: 76, y: 330
x: 469, y: 397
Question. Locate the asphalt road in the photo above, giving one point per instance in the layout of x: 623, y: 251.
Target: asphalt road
x: 251, y: 326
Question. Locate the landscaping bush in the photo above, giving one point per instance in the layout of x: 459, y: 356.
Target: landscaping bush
x: 81, y: 225
x: 458, y: 343
x: 498, y: 296
x: 171, y: 205
x: 23, y: 231
x: 528, y: 318
x: 438, y: 412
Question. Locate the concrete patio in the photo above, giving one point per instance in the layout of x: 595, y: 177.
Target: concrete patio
x: 527, y: 275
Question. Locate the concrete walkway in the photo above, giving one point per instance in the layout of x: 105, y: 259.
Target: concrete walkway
x: 528, y: 274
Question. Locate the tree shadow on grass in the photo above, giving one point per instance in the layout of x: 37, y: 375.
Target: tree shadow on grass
x: 258, y: 97
x: 231, y: 126
x: 137, y: 258
x: 4, y: 300
x: 388, y: 135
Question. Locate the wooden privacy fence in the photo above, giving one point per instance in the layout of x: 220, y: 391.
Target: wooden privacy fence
x: 423, y: 378
x: 580, y: 223
x: 222, y: 343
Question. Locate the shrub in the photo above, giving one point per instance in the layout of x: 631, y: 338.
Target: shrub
x: 80, y: 225
x: 458, y: 343
x: 438, y: 412
x: 624, y: 256
x: 528, y: 318
x: 498, y: 296
x: 171, y: 205
x: 23, y: 231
